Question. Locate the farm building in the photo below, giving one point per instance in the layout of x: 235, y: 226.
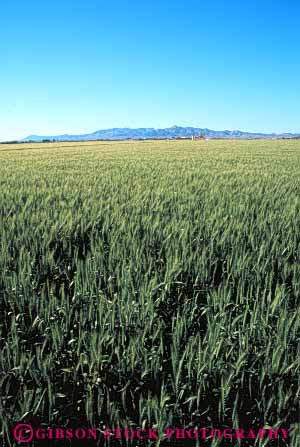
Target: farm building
x: 198, y: 137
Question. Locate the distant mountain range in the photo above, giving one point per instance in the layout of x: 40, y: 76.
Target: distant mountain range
x: 145, y: 133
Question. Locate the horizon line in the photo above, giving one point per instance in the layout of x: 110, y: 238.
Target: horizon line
x: 58, y: 135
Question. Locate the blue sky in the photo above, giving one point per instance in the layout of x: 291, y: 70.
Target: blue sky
x: 78, y: 66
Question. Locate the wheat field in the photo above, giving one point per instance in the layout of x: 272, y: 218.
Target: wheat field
x: 150, y: 283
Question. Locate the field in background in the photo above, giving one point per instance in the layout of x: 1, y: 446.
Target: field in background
x: 150, y: 283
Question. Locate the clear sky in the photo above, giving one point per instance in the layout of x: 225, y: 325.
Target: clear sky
x: 82, y: 65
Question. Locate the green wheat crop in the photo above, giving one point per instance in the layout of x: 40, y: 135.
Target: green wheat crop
x: 150, y: 284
